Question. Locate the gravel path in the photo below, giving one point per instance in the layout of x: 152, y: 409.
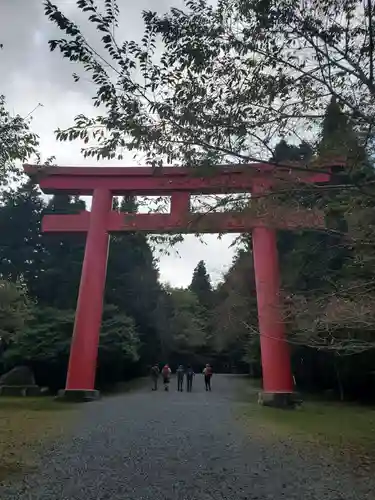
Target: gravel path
x: 161, y: 446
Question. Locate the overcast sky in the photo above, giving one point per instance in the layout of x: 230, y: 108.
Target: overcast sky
x: 30, y: 74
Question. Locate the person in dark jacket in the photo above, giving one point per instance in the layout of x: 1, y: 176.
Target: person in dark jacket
x: 180, y: 372
x: 189, y: 378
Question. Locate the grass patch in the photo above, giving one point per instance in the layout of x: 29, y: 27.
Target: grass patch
x: 346, y: 429
x: 25, y: 423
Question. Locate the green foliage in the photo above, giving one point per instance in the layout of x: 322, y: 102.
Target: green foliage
x: 50, y: 266
x: 21, y: 243
x: 15, y: 310
x: 17, y: 144
x: 45, y: 343
x: 328, y: 266
x: 217, y: 84
x: 187, y: 321
x: 47, y: 338
x: 288, y: 152
x: 338, y: 137
x: 201, y: 285
x: 59, y: 278
x: 129, y: 205
x: 327, y: 278
x: 235, y: 315
x: 119, y: 340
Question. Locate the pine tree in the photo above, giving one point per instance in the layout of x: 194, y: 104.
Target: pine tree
x: 129, y: 204
x: 289, y: 152
x: 201, y: 285
x: 50, y: 265
x: 339, y: 140
x: 63, y: 257
x: 21, y: 242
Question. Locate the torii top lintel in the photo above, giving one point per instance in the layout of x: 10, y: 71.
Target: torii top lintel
x: 165, y: 180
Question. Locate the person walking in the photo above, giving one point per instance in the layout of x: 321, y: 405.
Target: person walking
x: 207, y: 372
x: 155, y: 372
x: 189, y: 378
x: 166, y: 374
x: 180, y: 378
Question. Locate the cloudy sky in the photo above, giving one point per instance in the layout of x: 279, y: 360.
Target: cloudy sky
x: 30, y: 75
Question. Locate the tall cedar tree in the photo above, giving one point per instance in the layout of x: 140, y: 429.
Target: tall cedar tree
x: 201, y: 285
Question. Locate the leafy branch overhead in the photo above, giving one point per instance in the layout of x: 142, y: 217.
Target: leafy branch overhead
x: 220, y: 84
x: 17, y: 144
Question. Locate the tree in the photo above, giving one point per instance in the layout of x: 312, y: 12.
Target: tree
x: 338, y: 138
x: 318, y: 49
x: 289, y: 152
x: 186, y: 322
x: 119, y: 346
x: 15, y: 311
x: 321, y: 271
x: 45, y: 345
x: 21, y: 244
x: 235, y: 319
x: 50, y: 265
x: 60, y: 270
x: 328, y: 279
x: 17, y: 144
x: 201, y: 285
x: 229, y: 81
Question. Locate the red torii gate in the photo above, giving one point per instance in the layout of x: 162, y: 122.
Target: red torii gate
x: 102, y: 183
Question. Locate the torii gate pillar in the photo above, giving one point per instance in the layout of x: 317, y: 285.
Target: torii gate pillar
x: 80, y: 380
x: 278, y: 385
x: 277, y: 374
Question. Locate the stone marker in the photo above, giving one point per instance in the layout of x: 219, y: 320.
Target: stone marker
x: 19, y: 381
